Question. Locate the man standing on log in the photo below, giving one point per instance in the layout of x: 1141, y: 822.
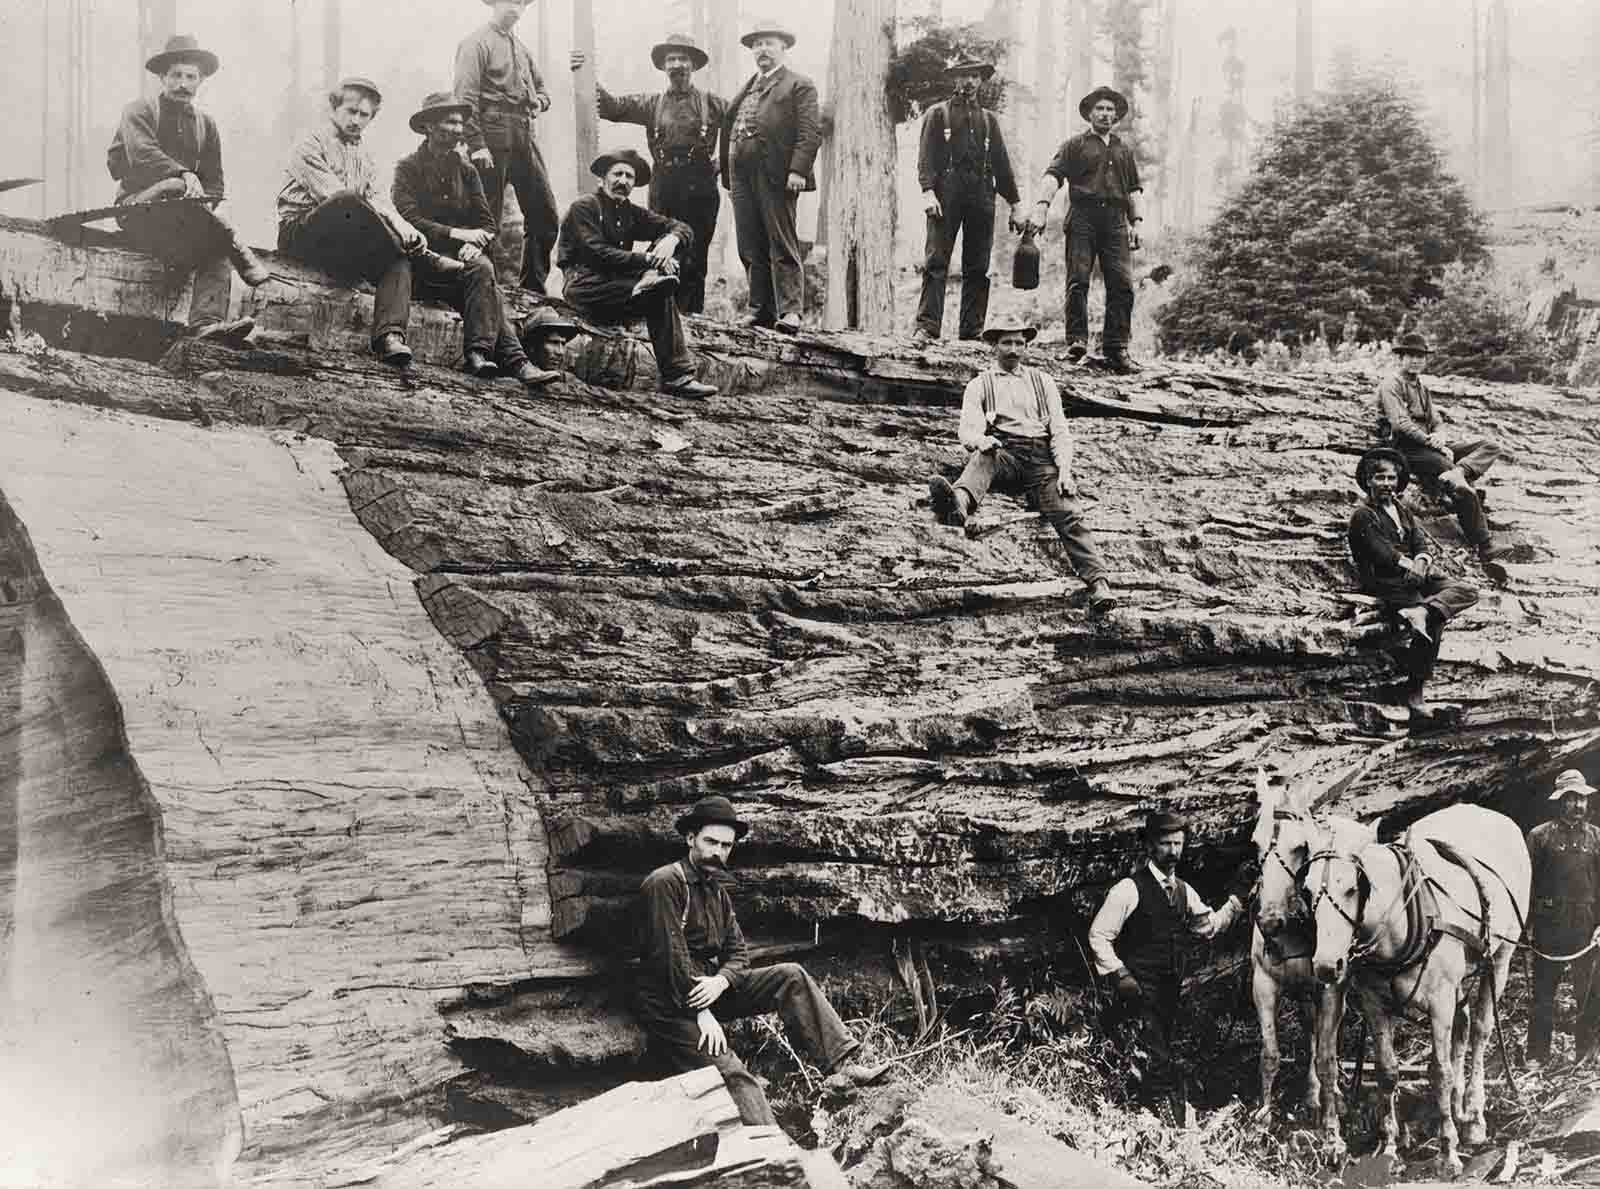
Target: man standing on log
x: 331, y: 214
x: 1566, y: 911
x: 681, y: 125
x: 1140, y: 938
x: 437, y: 190
x: 770, y: 137
x: 167, y: 149
x: 1408, y: 421
x: 496, y: 78
x: 1390, y: 553
x: 607, y: 281
x: 1103, y: 188
x: 1012, y: 421
x: 696, y: 971
x: 961, y: 165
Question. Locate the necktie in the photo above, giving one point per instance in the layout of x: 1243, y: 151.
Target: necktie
x: 1172, y: 895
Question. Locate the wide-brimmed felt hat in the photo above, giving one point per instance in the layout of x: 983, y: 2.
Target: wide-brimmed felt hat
x: 1412, y: 344
x: 603, y: 163
x: 437, y: 105
x: 766, y: 29
x: 712, y: 811
x: 1000, y: 326
x: 1086, y: 104
x: 1373, y: 457
x: 1571, y: 784
x: 183, y: 48
x: 684, y: 44
x: 1162, y: 821
x: 359, y: 82
x: 967, y: 64
x: 546, y: 320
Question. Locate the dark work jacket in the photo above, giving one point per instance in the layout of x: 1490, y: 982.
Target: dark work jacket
x: 438, y: 192
x: 1090, y: 168
x: 158, y: 139
x: 964, y: 139
x: 1154, y: 942
x: 1377, y: 545
x: 595, y: 250
x: 788, y: 125
x: 1566, y: 884
x: 687, y: 929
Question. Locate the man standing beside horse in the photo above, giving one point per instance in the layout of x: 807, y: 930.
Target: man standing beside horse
x: 1566, y: 911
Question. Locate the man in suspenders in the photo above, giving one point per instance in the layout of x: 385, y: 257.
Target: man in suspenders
x: 681, y: 125
x: 695, y: 972
x: 1012, y: 421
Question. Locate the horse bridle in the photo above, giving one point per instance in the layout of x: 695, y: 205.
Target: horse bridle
x: 1279, y: 816
x: 1363, y: 890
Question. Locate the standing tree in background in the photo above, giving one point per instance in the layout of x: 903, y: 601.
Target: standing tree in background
x: 1083, y: 20
x: 1477, y: 102
x: 1233, y: 119
x: 1046, y: 90
x: 1160, y: 132
x: 1497, y: 160
x: 861, y: 193
x: 585, y: 102
x: 158, y: 20
x: 332, y: 42
x: 1304, y: 51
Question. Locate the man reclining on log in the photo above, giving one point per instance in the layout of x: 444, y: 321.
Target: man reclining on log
x: 166, y: 149
x: 1390, y: 553
x: 1012, y: 421
x: 1408, y: 421
x: 607, y: 281
x: 438, y: 191
x: 696, y: 972
x: 331, y: 215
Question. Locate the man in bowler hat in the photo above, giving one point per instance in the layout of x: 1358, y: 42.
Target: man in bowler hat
x: 1140, y: 939
x: 696, y: 971
x: 681, y: 125
x: 1103, y: 188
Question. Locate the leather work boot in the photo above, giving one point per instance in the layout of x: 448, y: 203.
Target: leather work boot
x: 652, y: 281
x: 757, y: 322
x: 231, y: 332
x: 859, y: 1073
x: 948, y: 506
x: 1416, y: 618
x: 1101, y: 600
x: 1121, y: 364
x: 535, y: 377
x: 922, y: 336
x: 1076, y: 351
x: 788, y: 324
x: 687, y: 385
x: 392, y: 349
x: 247, y: 264
x: 481, y: 366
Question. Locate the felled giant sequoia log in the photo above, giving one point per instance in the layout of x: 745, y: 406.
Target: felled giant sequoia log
x: 372, y: 837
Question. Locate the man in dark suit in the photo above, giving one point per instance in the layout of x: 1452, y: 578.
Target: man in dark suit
x: 770, y: 139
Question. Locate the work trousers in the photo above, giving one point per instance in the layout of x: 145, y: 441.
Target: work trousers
x: 1445, y: 598
x: 769, y: 244
x: 609, y: 299
x: 475, y: 295
x: 968, y: 211
x: 1567, y: 933
x: 1474, y: 456
x: 1098, y: 231
x: 1023, y: 467
x: 813, y: 1026
x: 1154, y: 1016
x: 185, y: 236
x: 519, y: 164
x: 688, y: 193
x: 348, y: 237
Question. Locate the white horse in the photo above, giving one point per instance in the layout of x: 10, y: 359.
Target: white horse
x: 1281, y: 944
x: 1407, y: 924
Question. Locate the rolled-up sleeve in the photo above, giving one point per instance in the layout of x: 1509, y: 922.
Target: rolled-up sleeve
x: 1060, y: 435
x: 1204, y: 921
x: 974, y: 425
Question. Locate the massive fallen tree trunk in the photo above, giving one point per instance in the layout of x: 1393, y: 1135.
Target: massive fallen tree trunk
x: 380, y: 835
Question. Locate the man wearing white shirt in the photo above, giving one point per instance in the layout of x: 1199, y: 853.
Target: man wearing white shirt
x: 1140, y: 939
x: 1012, y: 421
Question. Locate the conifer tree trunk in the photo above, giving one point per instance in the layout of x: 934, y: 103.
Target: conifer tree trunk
x: 584, y: 109
x: 1477, y: 101
x: 1497, y: 165
x: 332, y: 42
x: 158, y: 20
x: 861, y: 193
x: 1304, y: 51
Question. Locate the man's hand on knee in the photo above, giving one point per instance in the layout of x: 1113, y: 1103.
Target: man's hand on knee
x: 1065, y: 484
x: 707, y: 990
x: 712, y: 1038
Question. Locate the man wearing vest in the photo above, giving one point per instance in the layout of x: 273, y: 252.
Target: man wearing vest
x: 681, y: 125
x: 1140, y: 938
x: 962, y: 164
x: 696, y: 973
x: 1012, y: 421
x: 1566, y: 911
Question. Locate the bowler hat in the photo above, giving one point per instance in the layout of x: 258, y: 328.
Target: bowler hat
x: 1373, y: 457
x: 1571, y: 784
x: 183, y: 48
x: 1000, y: 326
x: 641, y: 168
x: 712, y: 811
x: 359, y: 82
x: 684, y: 44
x: 1161, y: 821
x: 768, y: 29
x: 436, y: 106
x: 1412, y: 344
x: 967, y: 64
x: 1086, y: 104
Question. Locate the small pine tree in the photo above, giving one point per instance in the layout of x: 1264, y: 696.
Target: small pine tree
x: 1347, y: 210
x: 917, y: 78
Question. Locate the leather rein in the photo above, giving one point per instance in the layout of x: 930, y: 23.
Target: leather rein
x: 1419, y: 920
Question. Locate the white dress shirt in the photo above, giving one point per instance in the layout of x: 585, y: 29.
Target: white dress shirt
x: 1123, y: 898
x: 1016, y: 412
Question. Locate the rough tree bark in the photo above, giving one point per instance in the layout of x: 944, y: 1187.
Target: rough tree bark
x: 861, y: 193
x: 584, y: 109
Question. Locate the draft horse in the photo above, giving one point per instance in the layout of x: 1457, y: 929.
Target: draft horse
x: 1407, y: 923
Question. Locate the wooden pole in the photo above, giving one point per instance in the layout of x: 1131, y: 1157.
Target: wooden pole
x: 583, y: 82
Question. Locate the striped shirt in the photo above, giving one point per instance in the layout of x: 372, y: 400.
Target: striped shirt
x: 321, y: 165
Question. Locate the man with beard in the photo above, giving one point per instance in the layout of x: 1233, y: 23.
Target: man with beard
x: 437, y: 190
x: 770, y: 138
x: 962, y: 164
x: 607, y: 281
x: 696, y: 974
x: 167, y: 149
x: 681, y: 125
x: 497, y: 80
x: 1139, y: 940
x: 1566, y: 911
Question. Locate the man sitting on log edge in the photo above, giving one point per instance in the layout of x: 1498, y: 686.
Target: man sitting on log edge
x: 166, y: 149
x: 1012, y: 421
x: 1390, y: 554
x: 696, y: 972
x: 1408, y: 421
x: 607, y: 281
x: 437, y: 190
